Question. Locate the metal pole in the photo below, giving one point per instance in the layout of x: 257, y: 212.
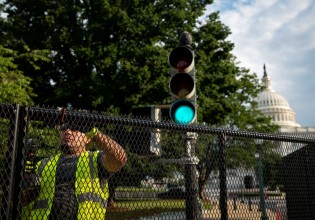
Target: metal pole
x: 193, y: 203
x: 261, y: 185
x: 222, y: 176
x: 13, y: 161
x: 19, y: 167
x: 6, y: 185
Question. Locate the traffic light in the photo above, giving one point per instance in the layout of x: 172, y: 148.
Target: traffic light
x: 146, y: 141
x: 182, y: 84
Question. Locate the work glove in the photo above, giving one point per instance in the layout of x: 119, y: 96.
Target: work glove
x: 92, y: 133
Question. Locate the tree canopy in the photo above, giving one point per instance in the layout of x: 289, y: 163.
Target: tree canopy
x: 14, y: 85
x: 113, y: 54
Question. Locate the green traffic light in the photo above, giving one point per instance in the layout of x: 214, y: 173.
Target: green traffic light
x: 184, y: 115
x: 182, y: 112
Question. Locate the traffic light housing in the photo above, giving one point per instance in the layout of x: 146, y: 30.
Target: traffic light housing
x: 146, y: 141
x: 182, y: 85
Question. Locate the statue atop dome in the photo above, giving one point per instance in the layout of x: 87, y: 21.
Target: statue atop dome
x: 266, y: 80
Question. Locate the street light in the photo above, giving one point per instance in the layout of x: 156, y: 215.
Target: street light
x: 261, y: 180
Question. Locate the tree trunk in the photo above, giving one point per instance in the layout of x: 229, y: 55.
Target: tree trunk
x: 204, y: 174
x: 201, y: 181
x: 205, y: 170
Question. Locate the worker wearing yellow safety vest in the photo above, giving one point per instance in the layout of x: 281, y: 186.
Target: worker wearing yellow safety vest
x: 73, y: 184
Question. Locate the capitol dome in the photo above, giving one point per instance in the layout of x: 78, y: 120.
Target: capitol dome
x: 275, y: 105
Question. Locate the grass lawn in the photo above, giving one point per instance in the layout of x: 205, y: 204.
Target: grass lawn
x: 133, y: 209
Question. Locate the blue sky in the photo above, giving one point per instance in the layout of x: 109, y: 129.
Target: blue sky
x: 281, y: 34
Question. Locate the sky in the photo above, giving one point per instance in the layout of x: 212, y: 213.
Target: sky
x: 281, y: 35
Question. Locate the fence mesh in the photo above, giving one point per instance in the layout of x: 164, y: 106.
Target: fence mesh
x: 54, y: 167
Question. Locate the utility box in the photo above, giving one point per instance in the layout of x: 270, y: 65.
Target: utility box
x: 299, y: 182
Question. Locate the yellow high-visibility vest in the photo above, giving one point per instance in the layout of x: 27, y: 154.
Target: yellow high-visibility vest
x: 91, y: 198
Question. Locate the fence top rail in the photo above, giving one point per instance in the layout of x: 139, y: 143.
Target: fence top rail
x: 38, y: 113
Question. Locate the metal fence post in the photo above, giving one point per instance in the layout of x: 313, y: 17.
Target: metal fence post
x: 8, y: 193
x: 6, y: 187
x: 19, y: 163
x: 193, y: 204
x: 222, y: 175
x: 261, y: 184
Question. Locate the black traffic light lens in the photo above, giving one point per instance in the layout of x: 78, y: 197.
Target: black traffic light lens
x: 181, y: 59
x: 182, y: 85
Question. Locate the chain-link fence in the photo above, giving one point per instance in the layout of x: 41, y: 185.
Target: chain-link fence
x: 56, y: 165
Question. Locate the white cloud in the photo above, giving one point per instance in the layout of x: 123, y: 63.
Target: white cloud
x: 281, y: 34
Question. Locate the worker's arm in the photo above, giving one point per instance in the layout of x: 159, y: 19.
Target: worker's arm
x: 114, y: 156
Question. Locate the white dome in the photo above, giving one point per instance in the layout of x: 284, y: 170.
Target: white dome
x: 269, y: 98
x: 275, y: 106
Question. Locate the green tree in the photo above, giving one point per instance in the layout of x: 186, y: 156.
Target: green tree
x: 272, y: 169
x: 14, y: 86
x: 98, y: 47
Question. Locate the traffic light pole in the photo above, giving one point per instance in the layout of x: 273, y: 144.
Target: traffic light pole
x: 193, y: 203
x: 183, y: 111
